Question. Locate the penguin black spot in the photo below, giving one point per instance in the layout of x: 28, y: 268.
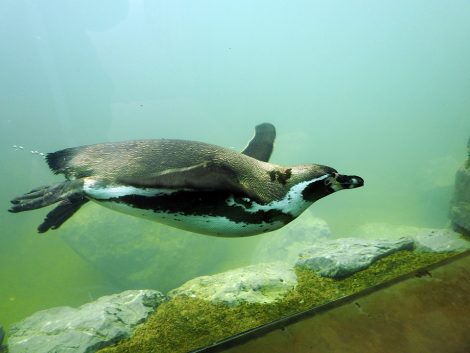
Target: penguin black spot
x: 272, y: 175
x: 283, y: 177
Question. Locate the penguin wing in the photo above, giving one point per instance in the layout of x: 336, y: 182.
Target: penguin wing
x: 206, y: 176
x: 261, y: 145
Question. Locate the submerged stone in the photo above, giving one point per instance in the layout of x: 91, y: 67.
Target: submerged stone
x: 261, y: 283
x: 2, y: 336
x: 460, y: 206
x: 342, y: 257
x: 459, y: 212
x: 440, y: 240
x: 460, y: 216
x: 425, y: 239
x: 85, y: 329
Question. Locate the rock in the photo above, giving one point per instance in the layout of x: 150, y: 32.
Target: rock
x: 137, y: 253
x: 88, y: 328
x: 261, y: 283
x: 343, y: 257
x: 425, y: 239
x: 460, y: 216
x: 459, y: 212
x: 286, y: 243
x: 2, y: 336
x: 440, y: 240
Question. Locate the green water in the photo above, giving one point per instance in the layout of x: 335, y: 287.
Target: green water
x: 376, y: 89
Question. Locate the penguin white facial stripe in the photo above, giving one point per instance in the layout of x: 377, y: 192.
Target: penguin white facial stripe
x: 292, y: 203
x: 91, y: 188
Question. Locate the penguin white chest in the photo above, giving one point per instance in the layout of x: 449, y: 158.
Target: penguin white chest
x: 219, y: 215
x: 204, y: 224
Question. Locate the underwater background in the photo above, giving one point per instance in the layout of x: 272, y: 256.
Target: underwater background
x: 376, y: 89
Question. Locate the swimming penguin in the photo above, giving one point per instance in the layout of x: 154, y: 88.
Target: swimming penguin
x: 190, y: 185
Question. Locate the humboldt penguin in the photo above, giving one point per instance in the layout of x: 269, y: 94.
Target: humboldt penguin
x: 189, y: 185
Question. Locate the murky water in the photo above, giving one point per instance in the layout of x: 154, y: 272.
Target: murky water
x: 374, y: 89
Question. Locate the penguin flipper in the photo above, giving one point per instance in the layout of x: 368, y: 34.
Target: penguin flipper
x: 207, y: 176
x: 261, y: 145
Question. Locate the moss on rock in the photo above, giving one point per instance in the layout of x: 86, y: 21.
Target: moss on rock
x: 184, y: 324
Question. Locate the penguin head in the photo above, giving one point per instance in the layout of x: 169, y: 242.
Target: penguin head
x: 321, y: 181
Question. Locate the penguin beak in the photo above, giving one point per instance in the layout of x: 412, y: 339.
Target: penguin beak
x: 341, y: 181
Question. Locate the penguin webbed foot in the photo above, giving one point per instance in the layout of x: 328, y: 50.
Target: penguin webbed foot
x: 69, y: 194
x: 37, y: 198
x: 61, y: 213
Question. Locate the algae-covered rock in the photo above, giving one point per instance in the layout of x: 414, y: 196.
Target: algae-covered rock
x: 184, y: 324
x: 343, y: 257
x: 85, y: 329
x: 286, y: 243
x: 262, y: 283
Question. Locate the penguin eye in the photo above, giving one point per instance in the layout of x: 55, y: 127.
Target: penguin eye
x: 331, y: 178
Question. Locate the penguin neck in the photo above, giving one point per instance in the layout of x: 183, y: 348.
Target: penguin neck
x: 292, y: 202
x: 294, y: 198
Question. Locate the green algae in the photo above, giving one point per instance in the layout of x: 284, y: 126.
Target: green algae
x: 184, y: 324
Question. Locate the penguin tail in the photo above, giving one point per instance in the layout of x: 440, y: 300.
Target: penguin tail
x: 67, y: 194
